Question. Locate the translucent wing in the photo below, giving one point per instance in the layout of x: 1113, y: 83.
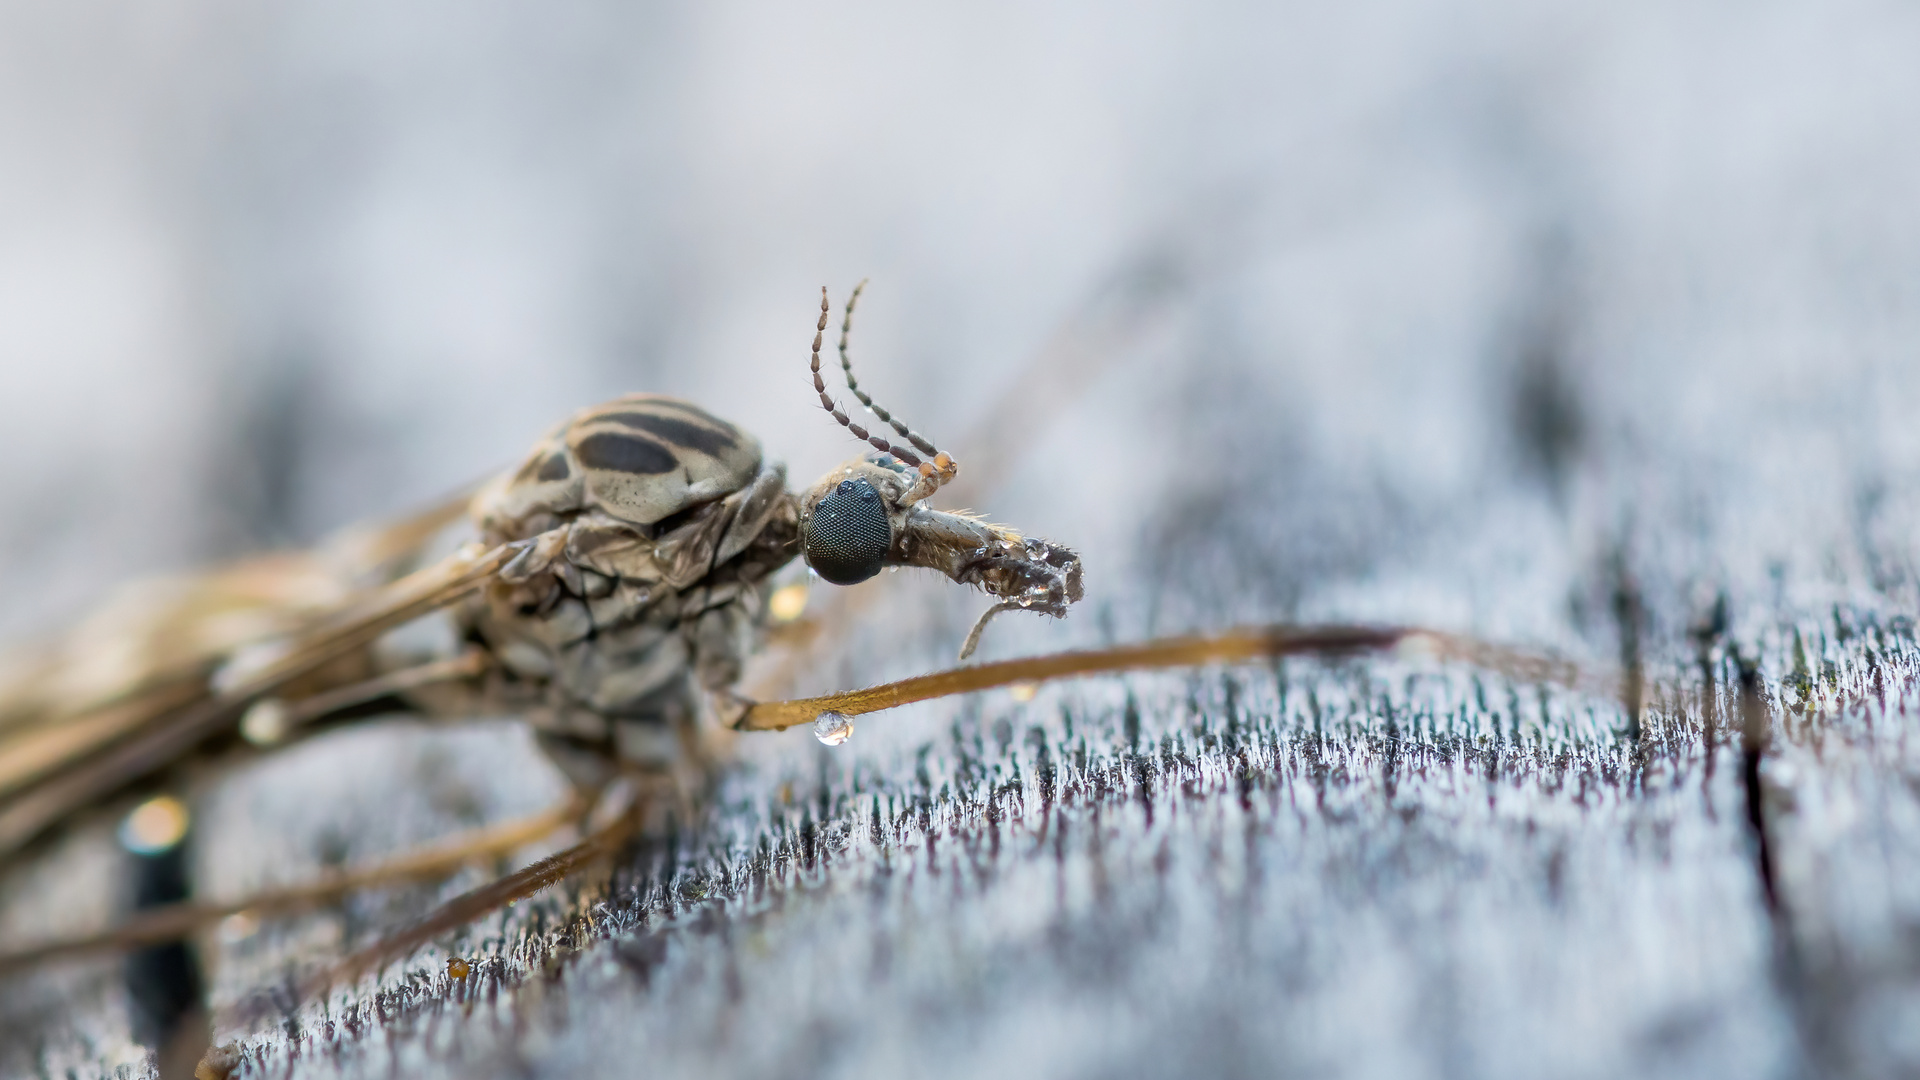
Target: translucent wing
x: 166, y: 665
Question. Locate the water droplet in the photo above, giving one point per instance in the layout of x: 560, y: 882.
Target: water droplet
x: 1418, y: 648
x: 238, y: 927
x: 266, y: 722
x: 833, y: 728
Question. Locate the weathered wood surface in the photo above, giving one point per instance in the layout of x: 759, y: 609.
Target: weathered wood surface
x: 1378, y: 867
x: 1557, y: 331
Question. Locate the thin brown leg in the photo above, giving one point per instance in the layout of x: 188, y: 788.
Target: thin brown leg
x: 290, y: 716
x: 454, y: 913
x: 1233, y: 646
x: 166, y: 739
x: 176, y: 921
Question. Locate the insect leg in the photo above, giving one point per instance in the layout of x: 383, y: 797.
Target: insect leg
x: 1233, y: 646
x: 454, y: 913
x: 174, y: 921
x: 163, y: 980
x: 168, y: 738
x: 273, y: 720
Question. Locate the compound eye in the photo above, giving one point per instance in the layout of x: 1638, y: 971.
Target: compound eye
x: 848, y: 538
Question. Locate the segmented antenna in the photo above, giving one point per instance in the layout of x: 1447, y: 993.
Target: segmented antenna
x: 846, y: 365
x: 933, y: 473
x: 827, y: 403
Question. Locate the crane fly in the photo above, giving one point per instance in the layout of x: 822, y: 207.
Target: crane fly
x: 617, y: 581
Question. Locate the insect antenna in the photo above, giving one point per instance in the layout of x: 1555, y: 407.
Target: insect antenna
x: 846, y: 365
x: 937, y: 468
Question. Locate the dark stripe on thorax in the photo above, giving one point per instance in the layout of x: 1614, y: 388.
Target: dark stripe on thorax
x: 625, y: 453
x: 707, y: 440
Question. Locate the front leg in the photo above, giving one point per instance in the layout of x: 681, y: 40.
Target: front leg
x: 729, y: 707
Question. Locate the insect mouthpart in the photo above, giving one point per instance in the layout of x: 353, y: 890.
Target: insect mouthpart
x: 848, y: 538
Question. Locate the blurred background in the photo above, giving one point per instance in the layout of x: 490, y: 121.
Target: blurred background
x: 268, y: 269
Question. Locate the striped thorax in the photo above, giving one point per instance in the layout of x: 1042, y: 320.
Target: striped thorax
x: 651, y: 529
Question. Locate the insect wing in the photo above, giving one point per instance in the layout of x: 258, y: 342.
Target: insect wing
x: 167, y: 664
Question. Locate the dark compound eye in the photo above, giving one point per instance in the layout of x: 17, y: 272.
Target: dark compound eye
x: 848, y: 538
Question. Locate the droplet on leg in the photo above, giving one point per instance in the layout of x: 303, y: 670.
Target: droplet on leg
x: 833, y: 728
x: 238, y: 927
x: 266, y: 722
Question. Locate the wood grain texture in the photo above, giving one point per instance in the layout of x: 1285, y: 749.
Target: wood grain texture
x: 1367, y: 867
